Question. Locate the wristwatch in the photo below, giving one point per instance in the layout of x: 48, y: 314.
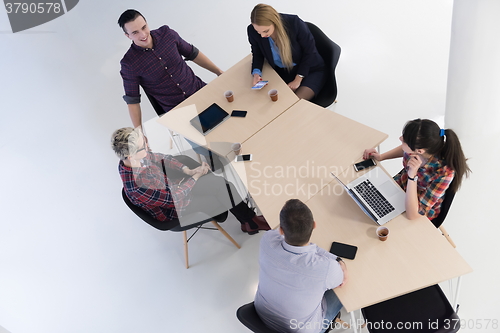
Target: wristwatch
x: 414, y: 179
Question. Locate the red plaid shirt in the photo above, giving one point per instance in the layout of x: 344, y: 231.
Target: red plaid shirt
x: 149, y: 188
x: 434, y: 178
x: 161, y: 71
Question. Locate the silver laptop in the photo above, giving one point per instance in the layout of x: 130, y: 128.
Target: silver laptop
x: 377, y: 195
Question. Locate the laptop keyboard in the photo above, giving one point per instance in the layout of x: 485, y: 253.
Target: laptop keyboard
x: 374, y: 198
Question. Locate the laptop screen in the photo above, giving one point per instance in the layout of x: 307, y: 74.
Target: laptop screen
x: 209, y: 118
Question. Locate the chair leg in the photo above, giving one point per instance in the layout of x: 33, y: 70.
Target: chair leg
x: 353, y: 321
x: 452, y: 292
x: 186, y: 257
x: 172, y: 141
x: 447, y: 236
x: 226, y: 234
x: 457, y: 292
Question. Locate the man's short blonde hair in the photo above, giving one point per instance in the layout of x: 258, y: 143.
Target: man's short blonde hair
x: 124, y: 142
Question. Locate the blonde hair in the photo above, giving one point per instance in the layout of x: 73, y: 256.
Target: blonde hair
x: 124, y: 142
x: 265, y: 15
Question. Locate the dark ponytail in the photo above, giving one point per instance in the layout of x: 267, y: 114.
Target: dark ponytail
x: 454, y: 156
x: 426, y: 134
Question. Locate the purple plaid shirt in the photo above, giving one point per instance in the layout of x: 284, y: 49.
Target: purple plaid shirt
x: 161, y: 71
x: 434, y: 178
x: 149, y: 188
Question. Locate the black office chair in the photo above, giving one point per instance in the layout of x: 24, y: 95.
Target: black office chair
x: 424, y: 311
x: 449, y: 195
x: 174, y: 225
x: 330, y: 52
x: 247, y: 315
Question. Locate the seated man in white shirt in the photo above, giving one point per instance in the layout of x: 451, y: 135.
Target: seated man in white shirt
x: 296, y: 277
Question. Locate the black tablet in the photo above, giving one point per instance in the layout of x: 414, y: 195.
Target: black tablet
x: 344, y: 250
x: 209, y: 119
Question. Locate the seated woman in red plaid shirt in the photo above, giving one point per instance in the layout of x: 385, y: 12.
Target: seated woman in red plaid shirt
x: 433, y: 161
x: 169, y: 187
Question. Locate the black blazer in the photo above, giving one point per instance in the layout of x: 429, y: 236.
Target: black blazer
x: 304, y: 52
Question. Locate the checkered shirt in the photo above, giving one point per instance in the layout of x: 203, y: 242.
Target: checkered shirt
x: 161, y: 71
x: 434, y: 178
x: 149, y: 188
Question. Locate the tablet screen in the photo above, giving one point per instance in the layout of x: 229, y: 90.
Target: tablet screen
x: 209, y: 119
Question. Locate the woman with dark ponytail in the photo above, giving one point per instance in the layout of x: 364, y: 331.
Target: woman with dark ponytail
x: 433, y: 161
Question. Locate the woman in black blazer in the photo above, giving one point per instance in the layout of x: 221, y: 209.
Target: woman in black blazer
x: 288, y: 46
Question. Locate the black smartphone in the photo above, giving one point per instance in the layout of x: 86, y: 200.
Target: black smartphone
x: 238, y: 113
x: 344, y: 250
x: 365, y: 164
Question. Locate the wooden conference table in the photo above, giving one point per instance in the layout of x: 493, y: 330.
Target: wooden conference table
x: 261, y: 110
x: 294, y: 155
x: 292, y: 165
x: 295, y: 145
x: 414, y: 256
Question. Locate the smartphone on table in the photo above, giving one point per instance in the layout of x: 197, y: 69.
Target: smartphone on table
x: 344, y: 250
x: 259, y: 85
x: 243, y: 158
x: 238, y: 113
x: 365, y: 164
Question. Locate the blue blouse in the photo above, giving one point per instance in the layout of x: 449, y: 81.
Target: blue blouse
x: 276, y: 57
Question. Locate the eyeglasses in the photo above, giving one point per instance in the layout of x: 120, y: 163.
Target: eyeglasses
x: 143, y: 146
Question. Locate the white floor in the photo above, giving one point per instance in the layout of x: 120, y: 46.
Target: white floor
x: 73, y: 258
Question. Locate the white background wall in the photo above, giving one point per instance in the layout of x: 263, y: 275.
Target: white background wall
x: 472, y: 108
x: 74, y: 259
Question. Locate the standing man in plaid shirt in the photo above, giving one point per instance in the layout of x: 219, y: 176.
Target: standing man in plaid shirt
x: 156, y: 60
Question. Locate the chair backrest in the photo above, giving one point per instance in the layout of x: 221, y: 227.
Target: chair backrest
x: 330, y: 52
x: 449, y: 195
x: 249, y: 317
x: 173, y: 225
x: 142, y: 214
x: 424, y: 310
